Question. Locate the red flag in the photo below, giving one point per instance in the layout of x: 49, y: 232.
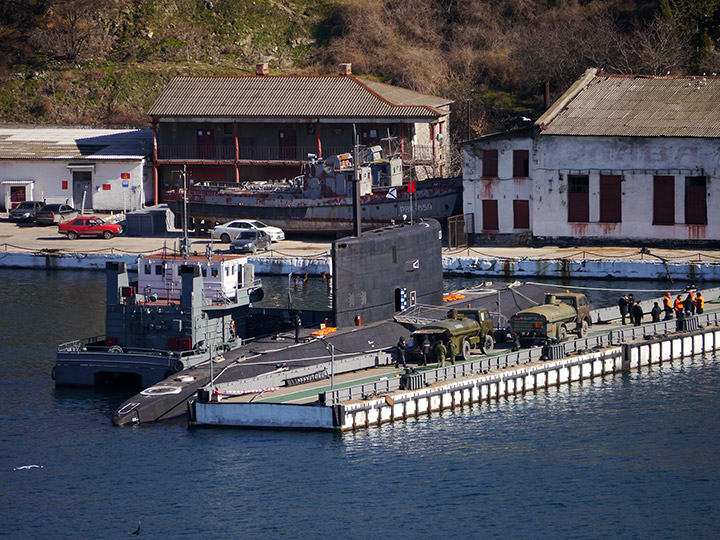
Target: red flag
x: 411, y: 187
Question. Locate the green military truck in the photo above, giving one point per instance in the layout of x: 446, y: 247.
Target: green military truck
x: 468, y: 328
x: 553, y: 320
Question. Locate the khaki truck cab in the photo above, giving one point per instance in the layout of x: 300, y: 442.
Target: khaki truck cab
x: 552, y: 321
x: 467, y: 328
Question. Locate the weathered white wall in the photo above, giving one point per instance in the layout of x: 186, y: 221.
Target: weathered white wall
x: 638, y: 160
x: 48, y: 176
x: 505, y: 189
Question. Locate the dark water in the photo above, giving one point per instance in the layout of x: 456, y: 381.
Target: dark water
x: 629, y: 456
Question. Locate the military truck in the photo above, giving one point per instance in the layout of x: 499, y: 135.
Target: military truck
x: 553, y: 320
x: 467, y: 328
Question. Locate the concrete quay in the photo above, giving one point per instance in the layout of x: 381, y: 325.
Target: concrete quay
x: 43, y: 248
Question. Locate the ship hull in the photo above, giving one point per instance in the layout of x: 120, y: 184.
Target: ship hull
x: 297, y: 214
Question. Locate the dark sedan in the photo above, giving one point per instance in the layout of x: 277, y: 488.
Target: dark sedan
x: 25, y: 211
x: 250, y: 242
x: 55, y: 213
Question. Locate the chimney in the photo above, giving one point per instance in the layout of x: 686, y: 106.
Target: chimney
x: 345, y: 69
x: 261, y: 70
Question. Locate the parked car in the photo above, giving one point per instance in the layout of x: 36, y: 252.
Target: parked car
x: 229, y: 231
x: 89, y: 226
x: 25, y: 211
x: 250, y: 242
x: 55, y: 213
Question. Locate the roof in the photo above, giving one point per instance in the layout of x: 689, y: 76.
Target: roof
x: 296, y: 97
x: 600, y: 104
x: 74, y: 143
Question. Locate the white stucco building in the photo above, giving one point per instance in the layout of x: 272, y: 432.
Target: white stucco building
x: 95, y: 169
x: 622, y: 158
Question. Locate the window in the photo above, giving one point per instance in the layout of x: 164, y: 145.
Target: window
x: 696, y: 200
x: 490, y: 215
x: 664, y: 200
x: 148, y: 270
x: 578, y: 198
x: 158, y: 270
x: 214, y: 272
x: 521, y: 163
x: 490, y: 164
x: 521, y: 214
x: 610, y: 199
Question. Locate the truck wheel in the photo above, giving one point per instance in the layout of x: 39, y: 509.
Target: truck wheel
x: 583, y: 329
x: 466, y: 350
x: 488, y: 344
x: 562, y: 334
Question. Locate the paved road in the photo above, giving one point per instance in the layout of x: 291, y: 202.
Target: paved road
x: 32, y: 238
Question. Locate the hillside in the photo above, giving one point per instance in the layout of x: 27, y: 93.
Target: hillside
x: 103, y: 62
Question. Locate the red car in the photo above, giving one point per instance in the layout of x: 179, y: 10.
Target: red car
x: 89, y: 226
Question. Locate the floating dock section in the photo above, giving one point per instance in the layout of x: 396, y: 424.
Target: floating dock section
x: 388, y: 399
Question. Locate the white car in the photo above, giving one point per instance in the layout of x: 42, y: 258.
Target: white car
x: 227, y: 232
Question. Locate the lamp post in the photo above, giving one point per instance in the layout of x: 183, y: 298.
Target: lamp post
x: 331, y: 349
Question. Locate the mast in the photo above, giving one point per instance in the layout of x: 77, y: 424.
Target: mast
x: 357, y: 210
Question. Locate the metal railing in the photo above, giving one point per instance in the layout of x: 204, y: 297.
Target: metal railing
x: 488, y: 364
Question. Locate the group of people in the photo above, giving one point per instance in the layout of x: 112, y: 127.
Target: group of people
x: 442, y: 350
x: 693, y: 303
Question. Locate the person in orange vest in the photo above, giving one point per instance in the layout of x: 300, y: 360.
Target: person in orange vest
x: 667, y: 306
x: 678, y: 307
x: 699, y: 303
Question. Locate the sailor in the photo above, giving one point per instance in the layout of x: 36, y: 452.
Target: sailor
x: 637, y: 314
x: 400, y: 353
x: 623, y: 305
x: 689, y: 304
x: 297, y: 323
x: 440, y: 352
x: 655, y: 313
x: 699, y: 304
x: 667, y: 304
x: 452, y: 351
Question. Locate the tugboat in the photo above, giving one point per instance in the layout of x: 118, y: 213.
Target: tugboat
x: 183, y: 310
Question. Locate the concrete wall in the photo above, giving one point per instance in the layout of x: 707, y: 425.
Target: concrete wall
x: 48, y: 177
x: 637, y: 160
x: 504, y: 188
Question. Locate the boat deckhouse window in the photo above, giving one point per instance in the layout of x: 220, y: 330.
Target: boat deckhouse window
x: 214, y: 272
x: 158, y: 270
x: 148, y: 269
x: 204, y: 271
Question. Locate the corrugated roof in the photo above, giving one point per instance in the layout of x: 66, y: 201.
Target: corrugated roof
x: 74, y: 144
x: 295, y: 97
x: 639, y: 106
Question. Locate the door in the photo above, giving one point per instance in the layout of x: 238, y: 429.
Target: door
x: 206, y: 143
x: 696, y: 200
x: 17, y: 195
x: 578, y: 199
x: 82, y: 189
x: 288, y: 144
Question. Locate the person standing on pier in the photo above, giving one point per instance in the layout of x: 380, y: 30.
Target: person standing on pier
x: 452, y: 351
x: 667, y: 304
x: 655, y: 313
x: 425, y: 348
x: 637, y: 314
x: 400, y: 353
x: 440, y: 352
x: 699, y: 304
x: 678, y: 307
x: 689, y: 304
x: 623, y: 305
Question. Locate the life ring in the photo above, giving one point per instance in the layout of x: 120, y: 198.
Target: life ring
x: 115, y: 349
x: 232, y: 326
